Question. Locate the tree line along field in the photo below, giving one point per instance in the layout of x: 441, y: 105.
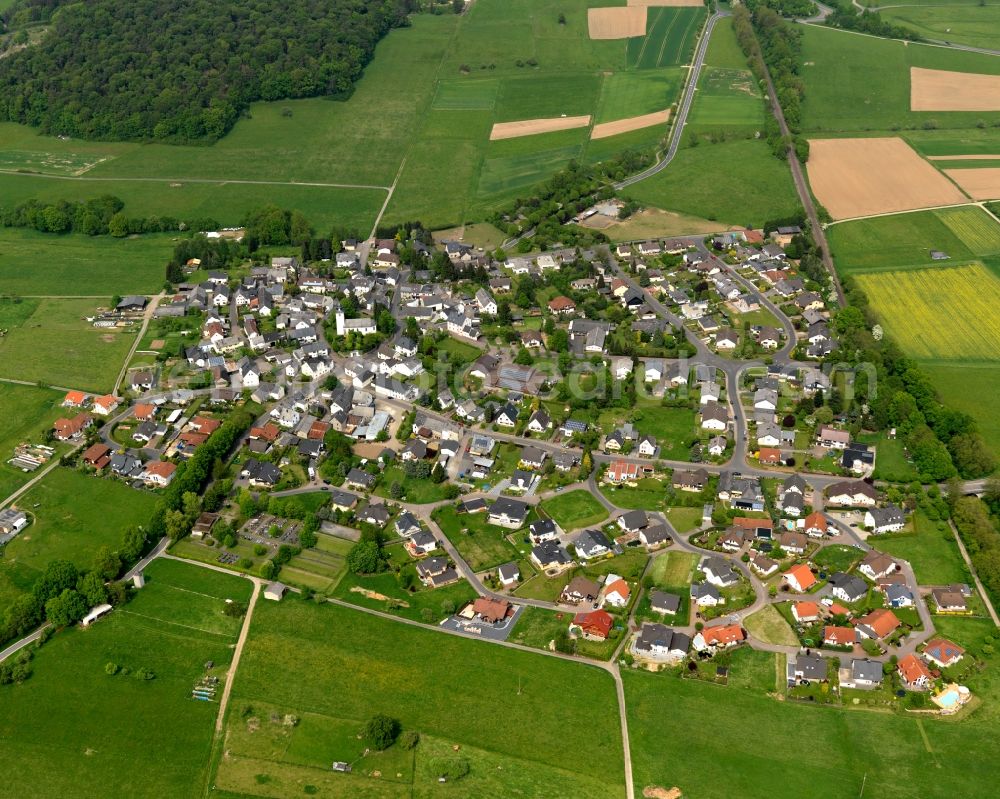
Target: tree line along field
x: 55, y: 345
x: 842, y: 93
x: 74, y: 730
x: 506, y: 712
x: 426, y: 102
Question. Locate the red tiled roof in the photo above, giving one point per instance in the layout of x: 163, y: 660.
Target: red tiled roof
x: 881, y: 620
x: 75, y: 398
x: 911, y: 669
x: 817, y: 521
x: 723, y: 634
x: 597, y: 623
x: 840, y: 636
x: 805, y: 610
x: 803, y: 576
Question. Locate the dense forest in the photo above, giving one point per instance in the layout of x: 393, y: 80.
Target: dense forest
x: 182, y: 70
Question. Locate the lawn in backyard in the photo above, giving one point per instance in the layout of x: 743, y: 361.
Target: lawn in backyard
x: 56, y: 345
x: 68, y: 265
x: 74, y: 730
x: 837, y: 557
x: 27, y: 412
x: 683, y: 519
x: 769, y: 626
x: 575, y: 509
x: 483, y: 545
x: 296, y: 648
x: 734, y: 182
x: 931, y: 550
x: 415, y: 490
x: 673, y: 428
x: 647, y: 494
x: 891, y: 462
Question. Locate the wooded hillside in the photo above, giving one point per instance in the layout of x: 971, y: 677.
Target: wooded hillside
x: 184, y: 70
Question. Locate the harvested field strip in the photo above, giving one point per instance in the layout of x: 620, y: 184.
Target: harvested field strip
x: 963, y: 157
x: 977, y: 229
x: 632, y: 123
x: 862, y: 177
x: 980, y: 184
x: 942, y: 90
x: 616, y: 23
x: 939, y: 313
x: 531, y: 127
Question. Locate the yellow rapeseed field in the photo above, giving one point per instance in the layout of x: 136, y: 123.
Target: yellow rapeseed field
x: 952, y: 312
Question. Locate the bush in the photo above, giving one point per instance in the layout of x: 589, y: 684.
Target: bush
x: 451, y: 768
x: 111, y: 668
x: 409, y: 739
x: 381, y: 731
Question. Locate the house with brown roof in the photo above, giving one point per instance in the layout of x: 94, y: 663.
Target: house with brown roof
x: 580, y: 590
x: 816, y: 524
x: 158, y: 473
x: 561, y: 305
x: 489, y: 610
x: 876, y: 565
x: 65, y: 429
x: 97, y: 455
x: 719, y: 637
x: 947, y: 600
x: 106, y: 404
x: 144, y: 411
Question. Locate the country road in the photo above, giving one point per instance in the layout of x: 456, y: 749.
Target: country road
x: 683, y: 109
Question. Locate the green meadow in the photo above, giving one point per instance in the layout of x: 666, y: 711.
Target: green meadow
x: 57, y: 346
x: 968, y: 22
x: 423, y: 111
x: 74, y: 730
x: 494, y: 707
x: 27, y: 412
x: 735, y: 183
x: 860, y: 83
x: 68, y: 265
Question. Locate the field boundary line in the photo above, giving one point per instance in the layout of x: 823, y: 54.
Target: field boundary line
x: 906, y: 42
x: 971, y: 203
x: 197, y: 593
x: 127, y: 612
x: 209, y: 181
x: 975, y: 575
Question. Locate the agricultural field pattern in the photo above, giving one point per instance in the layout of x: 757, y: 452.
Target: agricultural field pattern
x: 472, y: 399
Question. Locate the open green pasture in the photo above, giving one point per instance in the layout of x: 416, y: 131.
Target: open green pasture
x: 27, y: 412
x: 735, y: 183
x: 482, y: 545
x: 67, y: 265
x: 296, y: 650
x: 972, y: 387
x: 73, y: 515
x: 669, y: 39
x: 824, y: 752
x: 968, y: 22
x: 862, y: 83
x: 73, y: 730
x: 727, y: 99
x: 58, y: 346
x: 931, y: 550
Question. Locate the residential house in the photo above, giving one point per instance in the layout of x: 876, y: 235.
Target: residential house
x: 942, y: 652
x: 852, y: 493
x: 663, y: 603
x: 949, y: 601
x: 508, y: 574
x: 592, y: 544
x: 594, y: 625
x: 719, y: 572
x: 847, y: 587
x: 914, y: 673
x: 800, y: 578
x: 550, y: 554
x: 877, y: 564
x: 889, y: 519
x: 805, y: 612
x: 705, y: 595
x: 655, y: 536
x: 507, y: 512
x: 879, y: 623
x: 659, y: 642
x: 580, y: 590
x: 722, y: 636
x: 839, y: 636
